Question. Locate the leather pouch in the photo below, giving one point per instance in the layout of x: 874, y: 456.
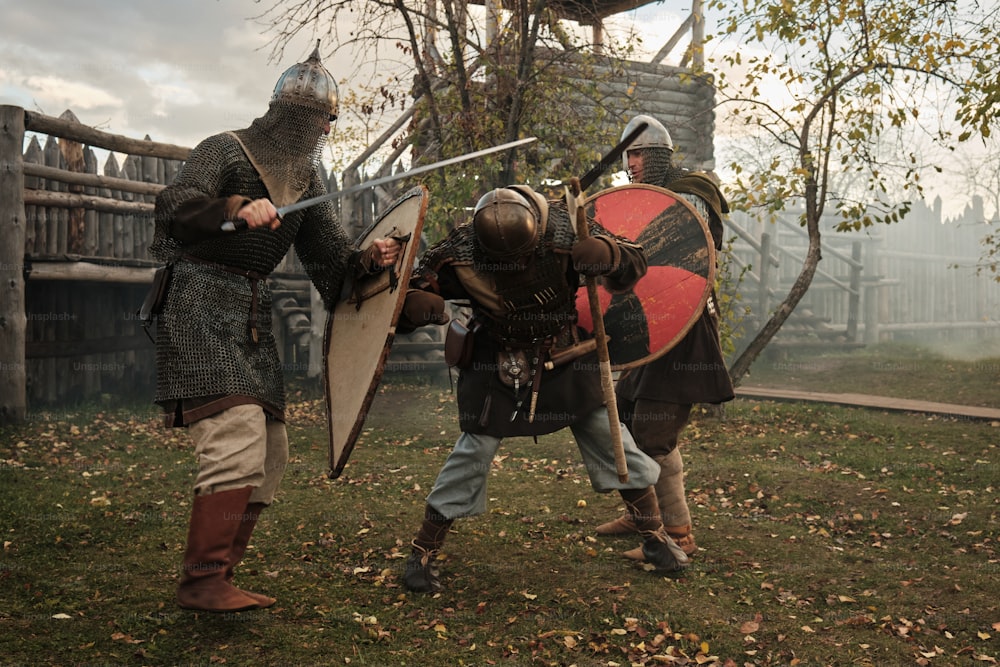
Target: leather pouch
x: 459, y: 342
x: 157, y: 295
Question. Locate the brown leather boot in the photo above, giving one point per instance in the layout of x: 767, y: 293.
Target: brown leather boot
x: 657, y: 548
x: 684, y: 540
x: 240, y: 543
x: 215, y: 519
x: 422, y: 574
x: 683, y: 537
x: 623, y: 525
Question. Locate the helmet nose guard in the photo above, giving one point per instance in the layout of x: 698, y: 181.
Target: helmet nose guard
x: 654, y: 136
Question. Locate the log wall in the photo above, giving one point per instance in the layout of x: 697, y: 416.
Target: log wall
x: 79, y: 264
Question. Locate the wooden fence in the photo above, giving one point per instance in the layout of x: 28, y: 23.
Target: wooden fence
x: 914, y: 280
x: 75, y: 262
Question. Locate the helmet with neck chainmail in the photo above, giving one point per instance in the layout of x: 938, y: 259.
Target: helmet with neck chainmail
x: 656, y: 147
x: 286, y: 142
x: 509, y: 221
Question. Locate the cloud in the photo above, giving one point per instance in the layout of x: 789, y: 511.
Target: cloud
x: 54, y: 91
x: 176, y: 71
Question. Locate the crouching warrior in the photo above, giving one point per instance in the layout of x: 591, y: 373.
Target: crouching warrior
x: 527, y: 370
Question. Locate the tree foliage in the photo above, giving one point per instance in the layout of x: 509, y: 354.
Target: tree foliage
x: 469, y: 88
x: 829, y: 85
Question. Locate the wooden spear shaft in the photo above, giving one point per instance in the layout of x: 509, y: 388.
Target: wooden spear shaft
x: 603, y: 358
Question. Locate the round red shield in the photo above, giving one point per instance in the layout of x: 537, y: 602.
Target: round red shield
x: 646, y: 322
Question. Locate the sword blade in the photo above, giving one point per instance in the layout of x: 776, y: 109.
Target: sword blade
x: 612, y: 157
x: 375, y: 182
x: 231, y: 226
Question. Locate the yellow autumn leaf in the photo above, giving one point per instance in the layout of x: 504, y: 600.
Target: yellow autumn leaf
x: 529, y: 596
x: 704, y: 647
x: 440, y: 627
x: 983, y: 635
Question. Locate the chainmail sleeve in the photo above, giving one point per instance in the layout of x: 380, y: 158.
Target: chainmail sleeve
x: 323, y: 246
x: 203, y: 176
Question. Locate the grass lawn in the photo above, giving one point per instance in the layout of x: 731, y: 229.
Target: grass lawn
x: 829, y: 536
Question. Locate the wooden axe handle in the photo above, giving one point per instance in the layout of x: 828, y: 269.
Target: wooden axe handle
x: 603, y: 358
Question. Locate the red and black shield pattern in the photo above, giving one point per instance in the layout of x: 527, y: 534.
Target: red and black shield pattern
x: 646, y: 322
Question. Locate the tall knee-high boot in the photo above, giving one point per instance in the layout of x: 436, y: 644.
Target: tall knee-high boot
x: 240, y: 543
x: 673, y: 501
x: 657, y: 548
x: 215, y: 520
x: 422, y: 574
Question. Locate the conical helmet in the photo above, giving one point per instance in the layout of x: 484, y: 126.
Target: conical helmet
x: 654, y: 136
x: 308, y: 84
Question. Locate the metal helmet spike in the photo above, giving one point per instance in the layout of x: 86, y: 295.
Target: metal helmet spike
x: 308, y: 84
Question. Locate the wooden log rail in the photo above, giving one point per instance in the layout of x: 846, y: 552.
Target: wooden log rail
x: 78, y: 132
x: 74, y: 131
x: 53, y: 204
x: 90, y: 202
x: 92, y: 180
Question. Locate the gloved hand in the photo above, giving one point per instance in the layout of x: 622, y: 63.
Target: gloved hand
x: 593, y: 256
x: 422, y: 308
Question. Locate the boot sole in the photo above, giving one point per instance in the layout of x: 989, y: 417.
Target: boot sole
x: 191, y: 607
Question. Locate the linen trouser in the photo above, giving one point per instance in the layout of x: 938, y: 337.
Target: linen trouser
x: 460, y: 487
x: 240, y: 447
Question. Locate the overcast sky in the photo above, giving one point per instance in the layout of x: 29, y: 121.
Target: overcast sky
x: 177, y: 70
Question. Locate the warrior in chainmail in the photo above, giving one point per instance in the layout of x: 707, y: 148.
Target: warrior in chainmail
x: 655, y: 400
x: 531, y: 370
x: 218, y: 372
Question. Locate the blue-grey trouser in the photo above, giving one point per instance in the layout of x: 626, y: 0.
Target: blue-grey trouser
x: 460, y: 488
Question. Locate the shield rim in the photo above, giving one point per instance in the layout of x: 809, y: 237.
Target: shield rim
x: 406, y: 262
x: 709, y: 283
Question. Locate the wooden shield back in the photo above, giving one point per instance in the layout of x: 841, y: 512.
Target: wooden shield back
x: 359, y: 332
x: 657, y: 313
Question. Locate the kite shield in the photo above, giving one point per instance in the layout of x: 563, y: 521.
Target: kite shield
x: 360, y: 330
x: 646, y: 322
